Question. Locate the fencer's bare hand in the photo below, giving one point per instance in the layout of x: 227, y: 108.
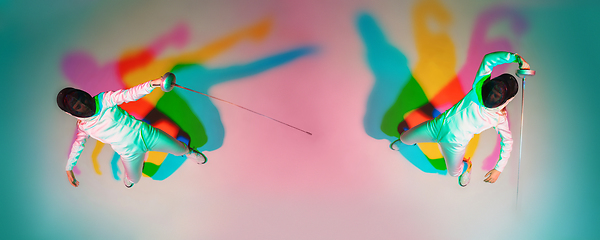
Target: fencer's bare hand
x: 492, y: 176
x: 524, y: 65
x: 156, y: 82
x: 72, y: 179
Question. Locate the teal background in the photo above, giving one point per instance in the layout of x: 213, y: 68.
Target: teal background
x: 268, y: 181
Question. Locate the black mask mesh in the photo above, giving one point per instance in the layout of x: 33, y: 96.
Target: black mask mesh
x: 498, y: 90
x: 76, y: 102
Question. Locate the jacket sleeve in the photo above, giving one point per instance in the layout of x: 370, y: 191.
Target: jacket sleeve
x: 491, y: 60
x: 76, y: 148
x: 505, y: 145
x: 112, y: 98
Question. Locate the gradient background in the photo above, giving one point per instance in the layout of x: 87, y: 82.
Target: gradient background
x: 267, y: 181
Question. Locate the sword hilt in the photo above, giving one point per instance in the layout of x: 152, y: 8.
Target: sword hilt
x: 168, y: 82
x: 525, y: 72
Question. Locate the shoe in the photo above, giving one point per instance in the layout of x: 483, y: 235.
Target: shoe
x: 199, y: 157
x: 465, y: 177
x: 394, y: 143
x: 127, y: 183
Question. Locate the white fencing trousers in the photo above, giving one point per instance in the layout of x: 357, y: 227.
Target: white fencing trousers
x: 453, y: 152
x: 154, y: 140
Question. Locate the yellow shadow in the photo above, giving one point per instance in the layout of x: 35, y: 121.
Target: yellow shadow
x: 437, y: 58
x: 95, y: 153
x: 258, y: 31
x: 432, y: 151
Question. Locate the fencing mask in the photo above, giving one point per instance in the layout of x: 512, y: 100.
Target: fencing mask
x: 76, y: 102
x: 498, y: 90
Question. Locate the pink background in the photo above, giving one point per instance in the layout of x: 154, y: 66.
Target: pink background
x: 268, y: 181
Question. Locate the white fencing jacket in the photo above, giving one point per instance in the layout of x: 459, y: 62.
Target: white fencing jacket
x: 111, y: 124
x: 469, y: 116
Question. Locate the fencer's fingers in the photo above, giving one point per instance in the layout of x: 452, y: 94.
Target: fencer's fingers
x: 72, y: 180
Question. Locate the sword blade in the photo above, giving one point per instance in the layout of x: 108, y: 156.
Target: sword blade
x: 250, y: 110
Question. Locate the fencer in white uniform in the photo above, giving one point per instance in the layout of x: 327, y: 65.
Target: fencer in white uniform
x: 482, y: 108
x: 101, y: 118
